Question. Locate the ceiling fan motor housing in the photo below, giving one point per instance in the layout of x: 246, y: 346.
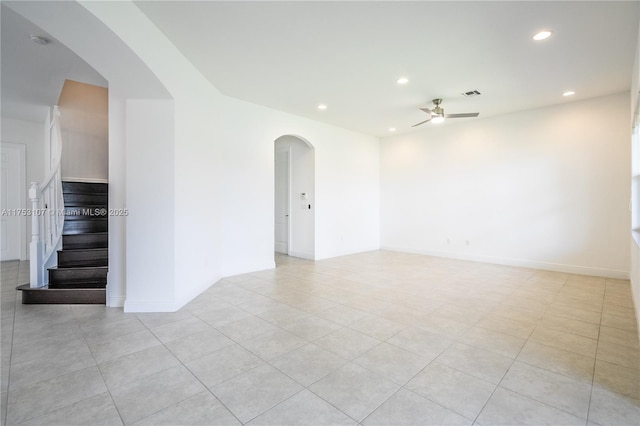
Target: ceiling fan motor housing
x: 438, y: 110
x: 437, y: 113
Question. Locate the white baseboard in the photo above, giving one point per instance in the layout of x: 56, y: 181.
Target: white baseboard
x: 302, y: 255
x: 197, y: 291
x: 85, y: 180
x: 523, y: 263
x: 348, y: 252
x: 115, y: 302
x: 262, y: 266
x: 147, y: 306
x: 168, y: 306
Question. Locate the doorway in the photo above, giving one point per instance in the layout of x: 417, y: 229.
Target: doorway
x: 294, y: 223
x: 12, y: 201
x: 282, y: 171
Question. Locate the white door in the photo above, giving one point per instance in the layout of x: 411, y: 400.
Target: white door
x: 11, y: 182
x: 282, y: 200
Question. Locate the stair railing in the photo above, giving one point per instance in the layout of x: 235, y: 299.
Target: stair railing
x: 47, y: 210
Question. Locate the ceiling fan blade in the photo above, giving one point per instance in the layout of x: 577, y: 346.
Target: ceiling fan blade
x: 427, y: 110
x: 463, y: 115
x: 422, y: 122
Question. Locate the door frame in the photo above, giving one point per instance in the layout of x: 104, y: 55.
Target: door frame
x: 286, y: 149
x: 308, y: 248
x: 22, y: 148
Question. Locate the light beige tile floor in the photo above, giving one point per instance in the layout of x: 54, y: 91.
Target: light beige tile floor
x: 377, y: 338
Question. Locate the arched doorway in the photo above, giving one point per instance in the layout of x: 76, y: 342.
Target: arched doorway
x: 294, y: 225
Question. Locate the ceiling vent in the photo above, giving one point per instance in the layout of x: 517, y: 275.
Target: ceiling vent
x: 471, y: 94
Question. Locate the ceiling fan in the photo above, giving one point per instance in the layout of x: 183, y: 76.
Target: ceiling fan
x: 437, y: 114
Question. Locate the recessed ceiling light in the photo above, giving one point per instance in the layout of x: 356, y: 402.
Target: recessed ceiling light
x: 39, y: 39
x: 402, y: 80
x: 542, y: 35
x: 569, y: 93
x: 322, y: 107
x: 392, y: 129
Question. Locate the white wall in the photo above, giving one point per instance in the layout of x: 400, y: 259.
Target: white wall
x: 198, y: 202
x: 220, y: 185
x: 634, y: 248
x: 117, y: 275
x: 84, y: 122
x: 347, y: 194
x: 346, y: 185
x: 32, y: 135
x: 128, y: 77
x: 150, y: 203
x: 302, y: 181
x: 224, y: 171
x: 547, y: 188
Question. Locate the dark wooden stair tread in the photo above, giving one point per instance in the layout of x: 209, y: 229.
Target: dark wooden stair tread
x: 85, y: 187
x: 84, y: 250
x: 81, y: 274
x: 88, y: 241
x: 78, y: 274
x: 81, y: 268
x: 72, y: 227
x: 103, y: 268
x: 47, y: 295
x: 78, y: 200
x: 81, y: 213
x: 87, y: 252
x: 79, y: 284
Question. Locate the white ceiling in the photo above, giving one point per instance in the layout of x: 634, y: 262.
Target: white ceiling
x: 32, y: 74
x: 348, y: 54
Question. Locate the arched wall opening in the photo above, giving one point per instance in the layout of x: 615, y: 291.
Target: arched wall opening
x: 294, y: 224
x: 141, y: 120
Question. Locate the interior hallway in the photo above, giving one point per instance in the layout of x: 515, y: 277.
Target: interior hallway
x: 377, y: 338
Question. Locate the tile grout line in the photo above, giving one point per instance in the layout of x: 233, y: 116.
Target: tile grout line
x: 84, y: 339
x: 75, y: 320
x: 190, y: 372
x: 161, y: 343
x: 268, y: 362
x: 516, y: 357
x: 293, y: 288
x: 13, y: 328
x: 198, y: 378
x: 527, y: 340
x: 595, y: 362
x: 402, y: 387
x: 346, y: 362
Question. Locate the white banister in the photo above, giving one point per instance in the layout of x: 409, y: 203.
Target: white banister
x: 35, y: 248
x: 35, y: 205
x: 47, y: 210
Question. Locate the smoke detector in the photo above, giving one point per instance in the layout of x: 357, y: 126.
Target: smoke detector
x: 39, y: 39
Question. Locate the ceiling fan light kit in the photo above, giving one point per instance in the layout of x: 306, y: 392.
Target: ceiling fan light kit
x: 437, y: 114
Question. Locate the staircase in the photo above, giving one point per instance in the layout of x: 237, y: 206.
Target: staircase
x: 81, y: 274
